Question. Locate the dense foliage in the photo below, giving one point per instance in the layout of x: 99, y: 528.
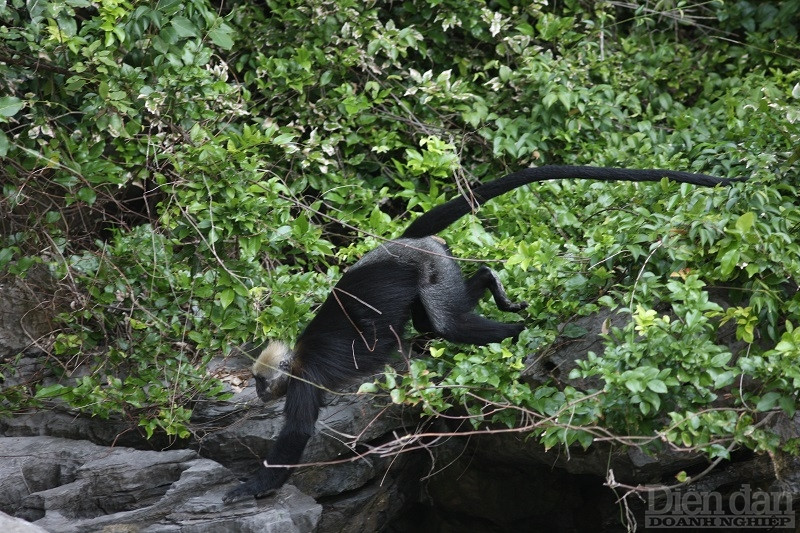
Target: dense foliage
x: 198, y: 175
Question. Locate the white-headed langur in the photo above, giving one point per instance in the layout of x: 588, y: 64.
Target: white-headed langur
x: 414, y: 278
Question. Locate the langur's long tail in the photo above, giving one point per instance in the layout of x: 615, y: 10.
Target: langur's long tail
x: 441, y: 216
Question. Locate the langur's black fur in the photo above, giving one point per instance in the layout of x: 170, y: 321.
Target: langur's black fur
x: 361, y: 322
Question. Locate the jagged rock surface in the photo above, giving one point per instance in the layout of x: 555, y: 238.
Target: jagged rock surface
x: 75, y: 486
x: 11, y: 524
x: 26, y: 310
x: 66, y: 483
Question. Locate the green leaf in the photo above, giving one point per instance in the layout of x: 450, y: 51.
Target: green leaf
x: 728, y: 261
x: 137, y: 324
x: 721, y: 359
x: 368, y: 388
x: 10, y: 106
x: 566, y: 99
x: 585, y: 439
x: 85, y: 194
x: 634, y: 385
x: 4, y: 144
x: 724, y: 379
x: 657, y: 385
x: 550, y: 99
x: 226, y: 297
x: 183, y: 27
x: 397, y: 395
x: 222, y: 37
x: 282, y: 139
x: 51, y: 391
x: 6, y: 254
x: 768, y: 401
x: 196, y: 337
x: 745, y: 222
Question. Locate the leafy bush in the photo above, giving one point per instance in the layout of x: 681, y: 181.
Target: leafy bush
x: 198, y: 180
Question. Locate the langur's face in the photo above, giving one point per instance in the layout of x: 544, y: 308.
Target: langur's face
x: 272, y: 371
x: 273, y: 386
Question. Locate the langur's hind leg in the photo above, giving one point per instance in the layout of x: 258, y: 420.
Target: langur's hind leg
x: 485, y: 278
x: 475, y: 329
x: 445, y: 307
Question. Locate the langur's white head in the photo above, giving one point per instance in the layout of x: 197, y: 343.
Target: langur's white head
x: 272, y: 371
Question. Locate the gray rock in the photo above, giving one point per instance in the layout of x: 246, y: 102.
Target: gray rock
x: 345, y: 423
x: 579, y: 337
x: 26, y: 310
x: 68, y: 424
x: 75, y: 486
x: 10, y: 524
